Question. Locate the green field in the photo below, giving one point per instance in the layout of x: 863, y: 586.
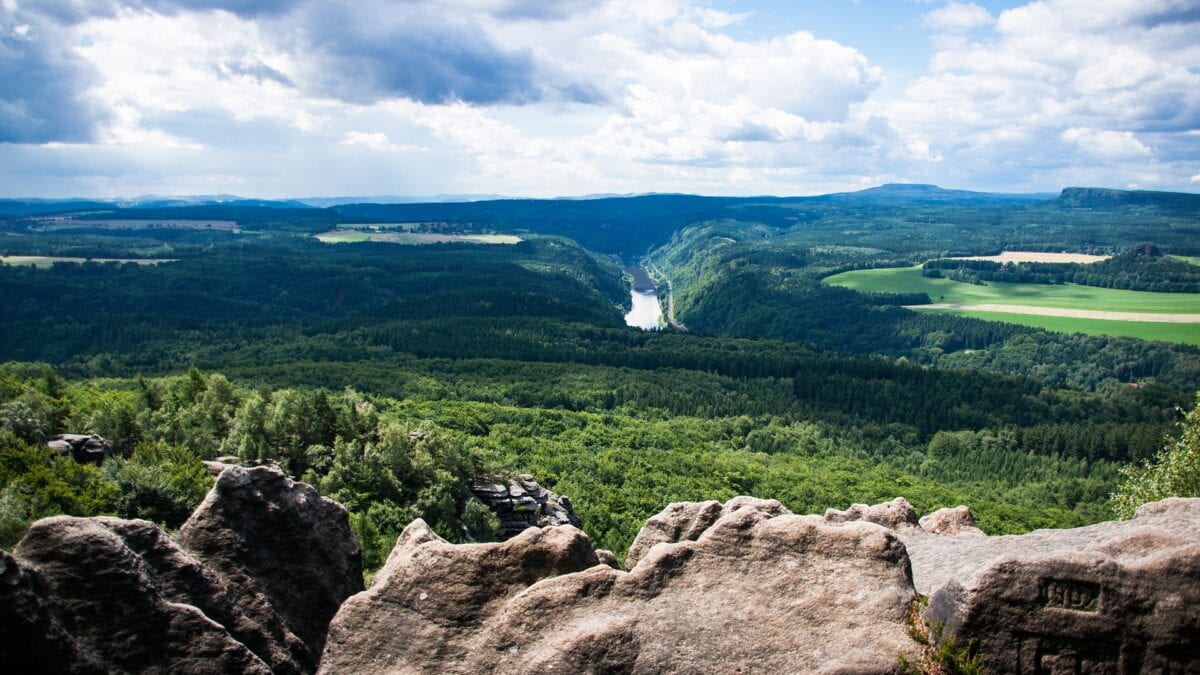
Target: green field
x: 47, y: 261
x: 1184, y: 333
x: 1066, y: 296
x: 414, y: 238
x: 1187, y: 259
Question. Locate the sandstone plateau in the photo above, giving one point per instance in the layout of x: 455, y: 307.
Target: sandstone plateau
x: 266, y: 577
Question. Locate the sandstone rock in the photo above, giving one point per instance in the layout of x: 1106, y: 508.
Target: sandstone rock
x: 32, y: 639
x: 280, y: 546
x: 181, y: 578
x: 756, y: 590
x: 84, y: 448
x: 956, y: 521
x: 110, y: 602
x: 1114, y: 597
x: 894, y: 514
x: 522, y: 503
x: 607, y: 557
x: 686, y: 521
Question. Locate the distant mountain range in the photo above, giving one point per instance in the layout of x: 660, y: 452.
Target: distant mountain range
x: 897, y: 193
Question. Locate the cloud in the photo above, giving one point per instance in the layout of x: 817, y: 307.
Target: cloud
x: 1106, y: 143
x: 957, y: 17
x: 377, y: 141
x: 1062, y: 91
x: 43, y: 83
x: 411, y: 53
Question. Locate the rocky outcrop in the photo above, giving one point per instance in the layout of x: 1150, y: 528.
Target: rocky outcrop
x: 522, y: 503
x: 278, y: 542
x: 953, y: 521
x: 84, y: 448
x: 686, y: 521
x: 32, y: 639
x: 1120, y: 596
x: 86, y: 595
x: 112, y: 607
x: 895, y: 514
x: 757, y: 588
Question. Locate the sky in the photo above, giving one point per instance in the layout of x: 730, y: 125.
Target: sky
x: 543, y: 98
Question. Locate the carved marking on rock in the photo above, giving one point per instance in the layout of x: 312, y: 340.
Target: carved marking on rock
x: 1079, y: 596
x: 1046, y: 655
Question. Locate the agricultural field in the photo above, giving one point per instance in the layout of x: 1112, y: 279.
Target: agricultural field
x: 1183, y: 333
x: 52, y: 224
x: 1036, y: 256
x: 48, y: 261
x: 414, y: 238
x: 1179, y: 320
x: 1195, y: 260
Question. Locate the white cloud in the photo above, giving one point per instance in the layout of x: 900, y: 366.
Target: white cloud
x: 627, y: 96
x: 957, y: 17
x: 377, y: 141
x: 1106, y: 143
x: 1063, y: 92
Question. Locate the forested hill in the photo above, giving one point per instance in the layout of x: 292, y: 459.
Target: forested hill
x: 631, y: 226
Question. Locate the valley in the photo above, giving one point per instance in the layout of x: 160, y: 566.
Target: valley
x: 802, y: 375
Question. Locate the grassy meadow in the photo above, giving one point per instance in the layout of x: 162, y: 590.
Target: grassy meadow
x: 1183, y: 333
x: 1065, y: 296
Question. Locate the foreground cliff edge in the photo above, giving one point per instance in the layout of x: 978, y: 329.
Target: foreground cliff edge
x: 266, y: 577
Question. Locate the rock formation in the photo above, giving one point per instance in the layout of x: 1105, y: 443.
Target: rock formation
x: 522, y: 504
x: 756, y: 588
x: 94, y: 595
x: 1120, y: 596
x: 264, y: 564
x: 84, y: 448
x: 271, y: 538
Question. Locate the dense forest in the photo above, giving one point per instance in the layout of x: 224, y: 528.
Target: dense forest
x: 392, y: 376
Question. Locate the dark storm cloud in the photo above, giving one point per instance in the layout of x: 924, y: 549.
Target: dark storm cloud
x: 417, y: 53
x: 420, y: 57
x: 42, y: 85
x: 359, y: 52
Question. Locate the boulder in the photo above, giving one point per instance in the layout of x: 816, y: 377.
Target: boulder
x: 957, y: 521
x: 282, y: 548
x: 84, y: 448
x: 686, y: 521
x: 521, y: 503
x: 757, y: 589
x: 110, y: 602
x: 897, y: 513
x: 1121, y: 596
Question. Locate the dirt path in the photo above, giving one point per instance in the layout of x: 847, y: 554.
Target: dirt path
x: 1069, y: 313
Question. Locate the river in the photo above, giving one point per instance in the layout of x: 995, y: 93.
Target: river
x: 646, y: 308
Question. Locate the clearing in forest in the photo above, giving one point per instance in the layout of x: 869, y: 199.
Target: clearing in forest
x: 1036, y: 257
x: 1069, y: 308
x: 414, y: 238
x: 49, y: 260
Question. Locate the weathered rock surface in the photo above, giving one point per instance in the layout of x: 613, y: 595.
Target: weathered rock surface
x: 84, y: 448
x: 757, y: 589
x: 280, y: 546
x: 270, y: 559
x: 32, y: 639
x: 895, y: 514
x: 1119, y: 597
x: 956, y: 521
x: 522, y: 504
x: 108, y: 600
x: 686, y: 521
